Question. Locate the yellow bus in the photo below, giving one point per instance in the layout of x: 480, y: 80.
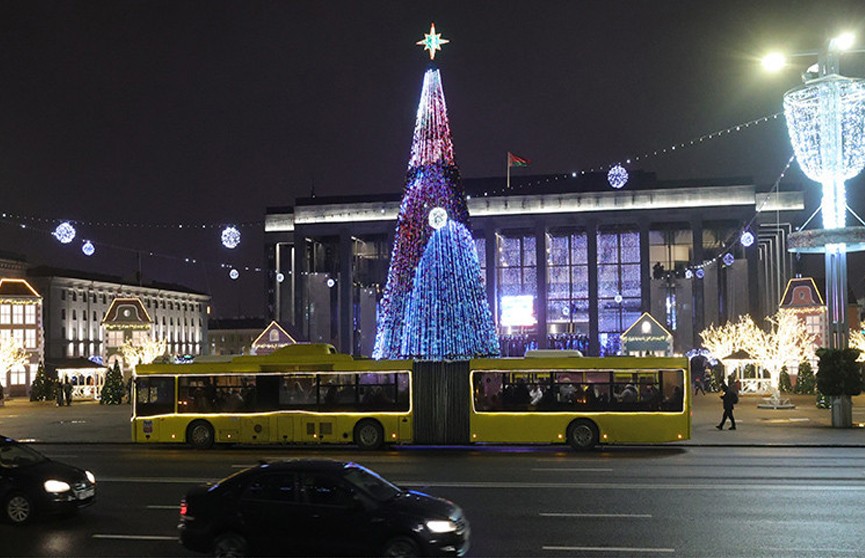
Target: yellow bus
x: 307, y: 393
x: 303, y: 393
x: 581, y: 401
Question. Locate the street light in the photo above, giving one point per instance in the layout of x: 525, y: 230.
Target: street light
x: 826, y: 124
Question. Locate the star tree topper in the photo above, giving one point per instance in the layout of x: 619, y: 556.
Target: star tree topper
x: 432, y: 41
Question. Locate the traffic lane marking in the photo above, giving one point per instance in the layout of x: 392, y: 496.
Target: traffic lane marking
x: 135, y: 537
x: 607, y: 549
x: 598, y: 515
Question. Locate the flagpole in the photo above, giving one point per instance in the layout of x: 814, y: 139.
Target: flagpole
x: 508, y: 165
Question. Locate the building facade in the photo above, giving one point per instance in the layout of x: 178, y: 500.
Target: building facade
x: 567, y: 261
x: 21, y: 319
x: 76, y: 305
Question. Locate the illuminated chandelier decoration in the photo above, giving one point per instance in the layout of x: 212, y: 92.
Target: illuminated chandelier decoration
x: 433, y: 197
x: 826, y: 123
x: 64, y: 232
x: 617, y: 177
x: 87, y: 248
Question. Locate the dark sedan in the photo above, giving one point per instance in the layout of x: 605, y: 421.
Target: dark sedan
x: 31, y: 484
x: 318, y: 507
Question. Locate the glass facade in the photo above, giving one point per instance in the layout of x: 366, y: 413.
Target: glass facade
x: 619, y: 285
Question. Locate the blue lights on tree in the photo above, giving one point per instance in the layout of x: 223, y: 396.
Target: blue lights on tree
x: 447, y: 316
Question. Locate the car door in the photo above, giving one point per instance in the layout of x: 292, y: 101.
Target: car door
x: 335, y: 517
x: 269, y: 509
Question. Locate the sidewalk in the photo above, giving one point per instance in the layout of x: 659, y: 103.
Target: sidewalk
x: 806, y: 425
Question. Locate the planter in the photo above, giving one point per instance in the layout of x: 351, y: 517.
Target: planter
x: 842, y: 411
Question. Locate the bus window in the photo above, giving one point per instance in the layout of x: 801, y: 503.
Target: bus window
x: 673, y: 389
x: 297, y: 391
x: 488, y: 391
x: 154, y: 396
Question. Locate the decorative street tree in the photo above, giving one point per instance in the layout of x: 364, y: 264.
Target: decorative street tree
x: 11, y: 355
x: 42, y: 387
x: 112, y: 391
x: 142, y: 352
x: 721, y: 341
x: 432, y: 181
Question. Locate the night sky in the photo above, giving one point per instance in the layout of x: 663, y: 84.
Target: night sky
x: 166, y: 113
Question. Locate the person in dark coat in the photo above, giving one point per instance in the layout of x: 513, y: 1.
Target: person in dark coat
x: 730, y: 398
x: 67, y: 391
x: 58, y: 392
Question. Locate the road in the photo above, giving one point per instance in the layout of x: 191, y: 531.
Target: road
x: 521, y: 501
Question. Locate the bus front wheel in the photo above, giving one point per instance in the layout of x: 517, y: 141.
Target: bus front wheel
x: 369, y: 435
x: 583, y: 435
x: 200, y: 435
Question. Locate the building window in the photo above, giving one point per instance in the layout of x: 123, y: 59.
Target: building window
x: 17, y: 314
x: 516, y: 270
x: 74, y: 296
x: 62, y: 295
x: 30, y: 314
x: 29, y: 338
x: 568, y: 289
x: 74, y: 315
x: 619, y: 286
x: 5, y: 313
x: 104, y: 299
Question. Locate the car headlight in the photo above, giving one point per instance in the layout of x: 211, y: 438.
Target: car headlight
x: 56, y: 486
x: 438, y: 526
x: 90, y: 477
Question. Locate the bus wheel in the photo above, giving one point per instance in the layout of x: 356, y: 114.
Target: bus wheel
x: 200, y: 434
x: 582, y: 435
x: 369, y: 435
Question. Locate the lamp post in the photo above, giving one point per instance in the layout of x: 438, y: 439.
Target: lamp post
x: 826, y: 123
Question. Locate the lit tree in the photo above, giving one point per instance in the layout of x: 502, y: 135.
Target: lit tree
x: 857, y: 341
x: 143, y: 351
x: 723, y: 340
x: 786, y: 342
x: 112, y: 391
x: 42, y: 387
x: 432, y: 181
x: 11, y: 354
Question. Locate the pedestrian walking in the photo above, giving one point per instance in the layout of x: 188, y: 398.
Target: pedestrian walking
x: 67, y: 391
x: 730, y: 397
x: 698, y: 386
x: 58, y: 393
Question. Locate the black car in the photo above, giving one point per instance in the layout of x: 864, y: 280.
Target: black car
x: 318, y: 507
x: 31, y: 484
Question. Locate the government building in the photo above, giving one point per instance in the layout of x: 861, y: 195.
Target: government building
x: 567, y: 261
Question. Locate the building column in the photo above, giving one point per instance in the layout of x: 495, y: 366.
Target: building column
x: 646, y: 272
x: 541, y: 278
x: 346, y: 280
x: 592, y: 254
x: 698, y: 314
x: 491, y: 251
x: 752, y: 254
x: 298, y: 283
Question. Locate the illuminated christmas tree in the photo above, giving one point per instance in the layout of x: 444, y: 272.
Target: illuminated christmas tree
x: 432, y: 181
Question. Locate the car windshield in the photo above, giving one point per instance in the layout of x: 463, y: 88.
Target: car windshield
x: 17, y: 455
x: 370, y: 483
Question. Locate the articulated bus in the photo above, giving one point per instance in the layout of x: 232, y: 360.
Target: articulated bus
x: 307, y: 393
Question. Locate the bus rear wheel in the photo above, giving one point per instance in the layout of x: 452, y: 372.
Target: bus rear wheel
x: 583, y: 435
x: 369, y: 435
x: 200, y: 435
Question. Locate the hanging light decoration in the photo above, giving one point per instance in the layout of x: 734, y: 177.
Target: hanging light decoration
x: 617, y: 177
x: 230, y: 237
x: 438, y: 218
x: 64, y: 232
x: 729, y: 259
x: 688, y: 274
x: 88, y: 248
x: 280, y: 277
x: 700, y: 273
x: 747, y: 238
x: 234, y: 274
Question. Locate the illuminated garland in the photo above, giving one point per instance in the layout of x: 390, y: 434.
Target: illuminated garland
x: 447, y: 316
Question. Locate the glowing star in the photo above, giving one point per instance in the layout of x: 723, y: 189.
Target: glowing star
x: 438, y: 218
x: 432, y: 41
x: 88, y: 248
x: 230, y: 237
x: 64, y: 232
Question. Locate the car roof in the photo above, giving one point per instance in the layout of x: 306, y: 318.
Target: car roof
x: 306, y: 465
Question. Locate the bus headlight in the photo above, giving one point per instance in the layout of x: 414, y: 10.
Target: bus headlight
x: 56, y: 486
x: 438, y: 526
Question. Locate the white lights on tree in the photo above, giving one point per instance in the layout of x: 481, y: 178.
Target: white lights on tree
x: 438, y: 218
x: 234, y: 274
x: 617, y: 177
x: 88, y: 248
x: 280, y: 277
x: 729, y: 259
x: 64, y: 232
x: 747, y: 238
x: 230, y: 237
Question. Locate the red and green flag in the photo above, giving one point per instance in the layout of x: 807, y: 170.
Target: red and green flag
x: 517, y: 161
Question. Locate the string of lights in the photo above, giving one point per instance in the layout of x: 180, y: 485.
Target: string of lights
x: 616, y: 172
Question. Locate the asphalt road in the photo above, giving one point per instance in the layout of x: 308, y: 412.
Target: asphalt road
x: 551, y: 502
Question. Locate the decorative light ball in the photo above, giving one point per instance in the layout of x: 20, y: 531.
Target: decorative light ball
x: 728, y: 259
x: 688, y: 274
x: 234, y: 274
x: 330, y: 283
x: 88, y: 248
x: 230, y: 237
x: 566, y: 311
x: 617, y: 177
x: 438, y: 218
x: 280, y: 277
x: 64, y: 232
x: 618, y: 299
x: 700, y: 273
x: 747, y: 238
